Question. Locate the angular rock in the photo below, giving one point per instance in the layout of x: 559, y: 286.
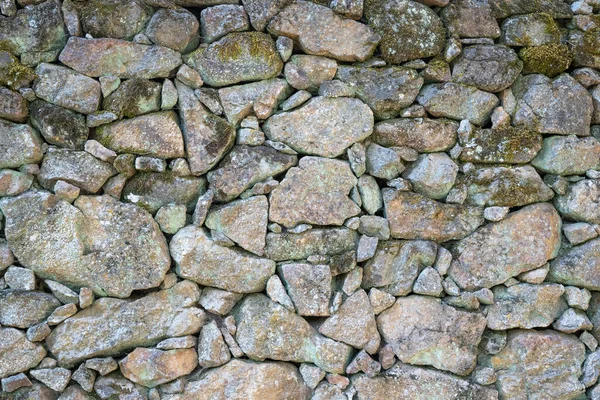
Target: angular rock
x: 244, y: 166
x: 155, y: 134
x: 578, y: 266
x: 419, y: 383
x: 247, y: 380
x: 305, y: 72
x: 530, y: 30
x: 267, y: 330
x: 354, y: 323
x: 13, y: 74
x: 115, y: 385
x: 505, y: 8
x: 309, y: 286
x: 409, y: 30
x: 323, y: 126
x: 153, y: 367
x: 17, y: 354
x: 212, y: 350
x: 176, y: 29
x: 523, y: 241
x: 318, y: 30
x: 58, y: 125
x: 220, y: 20
x: 23, y: 309
x: 56, y: 379
x: 13, y: 106
x: 36, y: 29
x: 424, y: 331
x: 207, y: 136
x: 568, y: 155
x: 202, y: 260
x: 111, y: 247
x: 421, y: 134
x: 315, y: 192
x: 507, y: 144
x: 456, y: 101
x: 505, y: 186
x: 525, y: 306
x: 579, y: 201
x: 487, y: 67
x: 259, y: 98
x: 78, y: 168
x: 67, y: 88
x: 134, y: 97
x: 572, y: 321
x: 152, y: 190
x: 413, y: 216
x: 386, y: 90
x: 113, y: 18
x: 471, y: 19
x: 238, y: 57
x: 243, y: 221
x: 560, y: 106
x: 432, y: 175
x: 19, y: 145
x: 299, y: 246
x: 95, y: 57
x: 111, y: 326
x: 539, y: 365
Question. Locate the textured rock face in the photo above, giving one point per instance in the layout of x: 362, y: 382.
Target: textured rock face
x: 577, y: 204
x: 17, y: 354
x: 578, y: 266
x: 19, y: 145
x: 111, y: 326
x: 420, y: 134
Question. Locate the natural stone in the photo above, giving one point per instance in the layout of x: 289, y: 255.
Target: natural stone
x: 327, y: 182
x: 17, y: 354
x: 133, y: 97
x: 152, y: 367
x: 424, y: 331
x: 530, y: 30
x: 308, y: 72
x: 432, y: 175
x: 572, y: 321
x: 471, y: 19
x: 309, y: 287
x: 218, y: 21
x: 578, y: 266
x: 568, y: 155
x: 23, y: 309
x: 13, y: 106
x: 176, y: 29
x: 326, y: 242
x: 506, y: 144
x: 420, y: 134
x: 13, y: 183
x: 577, y: 204
x: 200, y: 259
x: 13, y: 74
x: 113, y: 18
x: 59, y: 126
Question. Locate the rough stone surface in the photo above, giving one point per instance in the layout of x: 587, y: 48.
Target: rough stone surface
x: 578, y: 202
x: 23, y: 308
x: 420, y: 134
x: 59, y: 126
x: 17, y: 354
x: 152, y: 367
x: 578, y: 266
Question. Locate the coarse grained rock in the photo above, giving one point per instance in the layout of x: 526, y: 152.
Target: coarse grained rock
x: 579, y: 202
x: 13, y: 106
x: 78, y: 168
x: 237, y: 57
x: 506, y: 8
x: 207, y: 136
x: 20, y: 144
x: 403, y: 381
x: 568, y: 155
x: 134, y: 97
x: 421, y: 134
x: 432, y: 175
x: 525, y: 306
x: 17, y: 354
x: 176, y: 29
x: 266, y: 329
x: 386, y: 90
x: 261, y: 12
x: 299, y: 246
x: 119, y: 19
x: 533, y: 29
x: 539, y: 365
x: 110, y: 247
x: 507, y: 145
x: 152, y: 190
x: 470, y: 19
x: 58, y: 125
x: 315, y: 192
x: 110, y: 326
x: 319, y: 31
x: 244, y: 166
x: 324, y: 126
x: 523, y: 241
x: 408, y: 29
x: 423, y: 330
x: 414, y: 216
x: 24, y: 308
x: 120, y: 58
x: 200, y: 259
x: 152, y: 367
x: 308, y: 286
x: 559, y: 106
x: 578, y: 266
x: 242, y: 379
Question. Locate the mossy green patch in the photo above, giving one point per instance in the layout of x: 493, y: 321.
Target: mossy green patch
x: 550, y: 59
x: 13, y: 74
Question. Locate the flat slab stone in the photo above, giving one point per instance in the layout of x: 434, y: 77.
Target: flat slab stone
x: 96, y: 57
x: 59, y: 126
x: 414, y: 216
x: 578, y: 266
x: 407, y: 382
x: 152, y: 367
x: 421, y: 134
x: 423, y: 330
x: 525, y: 240
x: 120, y: 19
x: 17, y: 354
x: 200, y: 259
x: 20, y: 144
x: 318, y: 30
x: 508, y: 145
x: 110, y: 326
x: 568, y: 155
x: 315, y: 192
x: 110, y: 247
x: 24, y: 308
x: 324, y: 126
x: 266, y: 329
x: 249, y: 380
x: 299, y: 246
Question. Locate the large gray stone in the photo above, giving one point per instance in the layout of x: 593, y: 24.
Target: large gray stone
x: 578, y: 266
x: 421, y: 134
x: 299, y: 246
x: 568, y: 155
x: 20, y: 144
x: 17, y: 354
x: 119, y: 19
x: 110, y: 326
x: 110, y: 247
x: 22, y: 308
x: 579, y: 201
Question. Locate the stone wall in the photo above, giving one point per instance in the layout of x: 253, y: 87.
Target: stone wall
x: 287, y: 199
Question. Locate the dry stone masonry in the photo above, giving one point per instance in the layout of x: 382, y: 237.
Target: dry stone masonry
x: 299, y: 199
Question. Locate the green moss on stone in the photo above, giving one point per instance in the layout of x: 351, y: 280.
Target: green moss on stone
x: 13, y: 74
x: 549, y: 59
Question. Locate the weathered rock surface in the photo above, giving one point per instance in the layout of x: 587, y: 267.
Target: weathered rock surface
x: 113, y: 248
x: 318, y: 30
x: 113, y: 18
x: 176, y: 29
x: 268, y: 330
x: 308, y: 286
x: 424, y: 331
x: 59, y: 126
x: 298, y: 246
x: 508, y: 145
x: 17, y: 354
x: 152, y: 367
x: 579, y: 201
x: 525, y: 240
x: 315, y: 192
x: 19, y: 145
x: 202, y: 260
x: 134, y: 97
x: 420, y: 134
x: 568, y: 155
x: 111, y: 326
x: 487, y: 67
x: 23, y: 308
x: 324, y: 127
x: 414, y: 216
x: 578, y: 266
